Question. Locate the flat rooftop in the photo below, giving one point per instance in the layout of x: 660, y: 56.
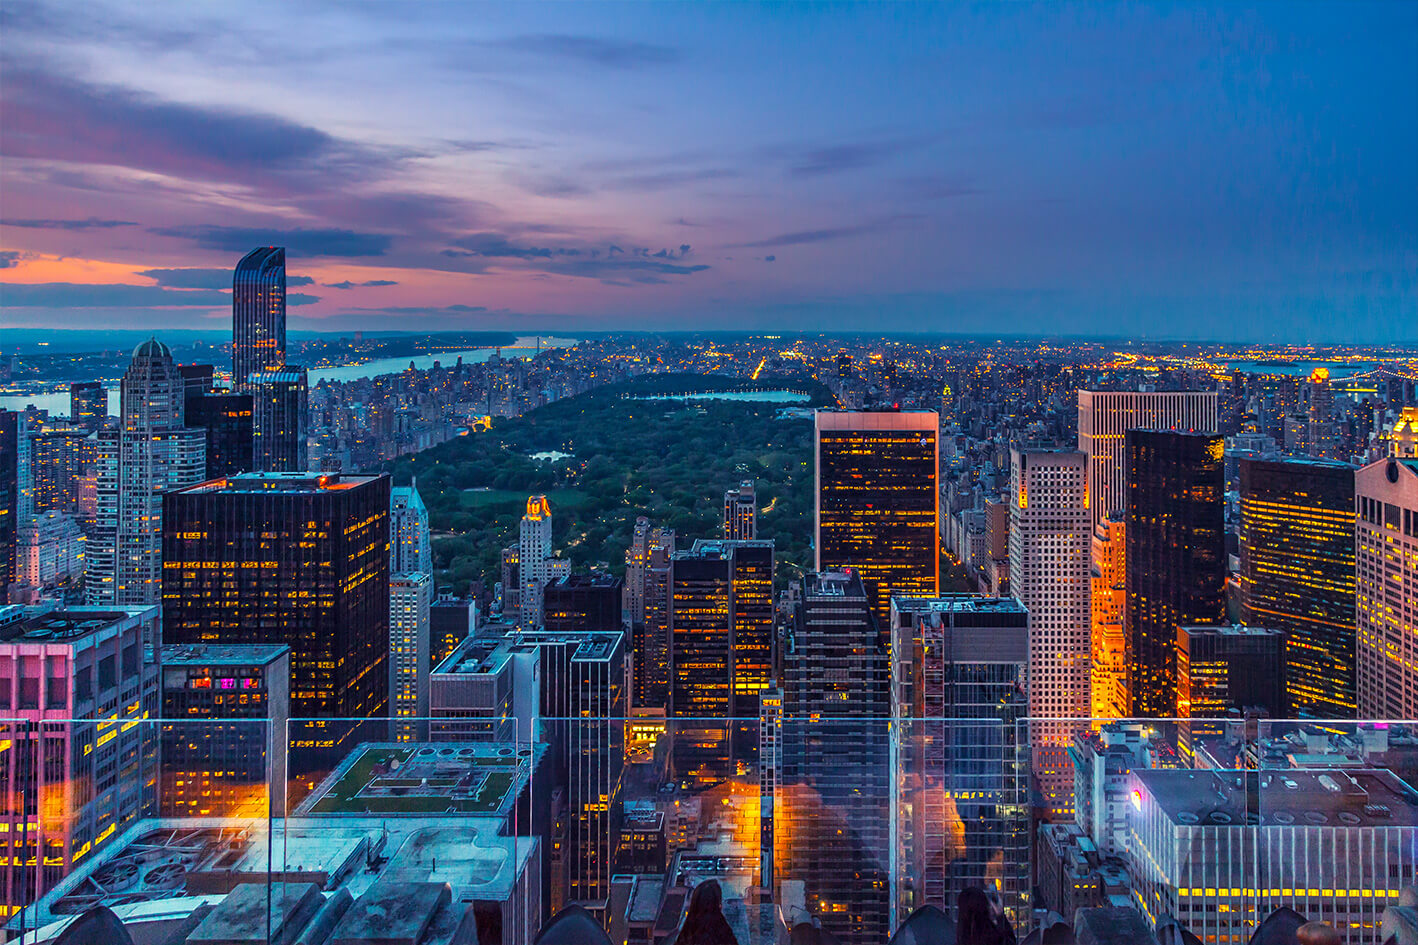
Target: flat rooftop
x: 958, y: 604
x: 65, y: 626
x: 222, y: 654
x: 426, y: 778
x: 1288, y: 798
x: 311, y: 482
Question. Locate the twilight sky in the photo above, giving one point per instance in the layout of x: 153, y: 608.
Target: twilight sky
x: 1169, y: 171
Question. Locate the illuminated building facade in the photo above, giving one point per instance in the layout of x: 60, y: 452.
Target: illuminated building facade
x: 50, y: 550
x: 535, y: 564
x: 1386, y: 566
x: 583, y: 602
x: 9, y: 494
x: 224, y: 712
x: 741, y: 512
x: 1049, y: 546
x: 959, y: 685
x: 647, y: 610
x: 451, y: 620
x: 227, y: 419
x: 258, y: 310
x: 289, y: 558
x: 878, y: 501
x: 1403, y: 435
x: 1219, y: 848
x: 832, y: 817
x: 1297, y: 575
x: 1107, y: 599
x: 1176, y: 557
x: 409, y: 547
x: 151, y: 452
x: 77, y: 685
x: 1221, y: 670
x: 88, y: 404
x: 409, y: 662
x: 721, y: 647
x: 279, y: 410
x: 59, y: 454
x: 1104, y: 417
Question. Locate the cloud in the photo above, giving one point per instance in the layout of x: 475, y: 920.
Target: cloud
x: 496, y: 245
x: 82, y: 295
x: 597, y: 268
x: 358, y: 285
x: 853, y: 156
x: 8, y: 258
x: 190, y: 278
x: 92, y: 223
x: 49, y: 116
x: 769, y: 258
x: 421, y: 309
x: 800, y: 237
x: 314, y: 241
x: 300, y: 298
x: 592, y: 50
x: 664, y: 179
x: 298, y: 280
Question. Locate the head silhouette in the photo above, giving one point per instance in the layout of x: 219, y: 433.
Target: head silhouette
x: 974, y: 924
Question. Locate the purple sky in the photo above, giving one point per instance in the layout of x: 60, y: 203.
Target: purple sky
x: 1217, y: 172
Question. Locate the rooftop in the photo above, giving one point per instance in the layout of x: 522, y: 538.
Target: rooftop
x: 1291, y: 797
x: 958, y: 604
x: 68, y: 625
x: 279, y: 482
x: 222, y: 654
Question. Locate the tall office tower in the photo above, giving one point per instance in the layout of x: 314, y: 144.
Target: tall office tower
x: 151, y: 453
x: 1297, y: 575
x: 1176, y: 556
x: 278, y: 419
x: 1403, y: 435
x: 409, y: 662
x: 535, y: 564
x: 9, y: 495
x: 226, y: 417
x: 1320, y: 396
x: 409, y: 548
x: 833, y: 823
x: 741, y: 512
x: 258, y: 313
x: 878, y: 501
x: 1221, y: 670
x: 314, y: 575
x: 197, y: 379
x: 1108, y: 598
x: 1049, y: 573
x: 451, y: 620
x: 721, y: 649
x: 50, y: 550
x: 88, y: 404
x: 1386, y: 562
x: 582, y: 693
x: 59, y: 453
x: 651, y: 641
x: 224, y: 712
x: 1105, y: 416
x: 959, y: 685
x: 637, y: 559
x: 584, y: 602
x: 77, y: 685
x: 1351, y: 833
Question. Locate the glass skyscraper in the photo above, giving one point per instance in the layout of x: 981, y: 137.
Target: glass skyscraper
x: 1297, y: 575
x: 878, y: 502
x: 258, y: 310
x: 1176, y: 556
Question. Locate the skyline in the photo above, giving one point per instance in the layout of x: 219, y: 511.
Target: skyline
x: 1198, y: 173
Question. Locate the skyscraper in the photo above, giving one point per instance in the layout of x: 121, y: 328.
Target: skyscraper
x: 1221, y: 669
x: 959, y: 685
x: 651, y: 637
x: 9, y: 495
x: 832, y: 825
x: 88, y: 404
x: 741, y: 512
x: 151, y: 452
x: 279, y: 406
x: 409, y: 548
x: 1297, y: 575
x: 1105, y: 416
x: 289, y: 558
x: 226, y: 417
x: 1049, y: 544
x: 535, y: 564
x: 409, y: 657
x: 1386, y: 564
x: 1107, y: 599
x: 583, y: 602
x: 878, y: 501
x: 1176, y: 556
x: 258, y: 309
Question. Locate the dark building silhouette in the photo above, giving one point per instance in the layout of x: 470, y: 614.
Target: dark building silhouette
x: 1297, y: 575
x: 583, y: 602
x: 9, y: 494
x: 451, y: 619
x: 1176, y: 556
x: 1221, y: 670
x: 279, y: 412
x: 258, y: 310
x: 226, y: 418
x: 88, y: 404
x: 299, y: 559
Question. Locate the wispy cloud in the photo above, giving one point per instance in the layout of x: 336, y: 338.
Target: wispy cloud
x: 92, y: 223
x: 592, y: 50
x: 81, y: 295
x: 9, y: 258
x: 800, y: 237
x: 368, y: 283
x: 314, y: 241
